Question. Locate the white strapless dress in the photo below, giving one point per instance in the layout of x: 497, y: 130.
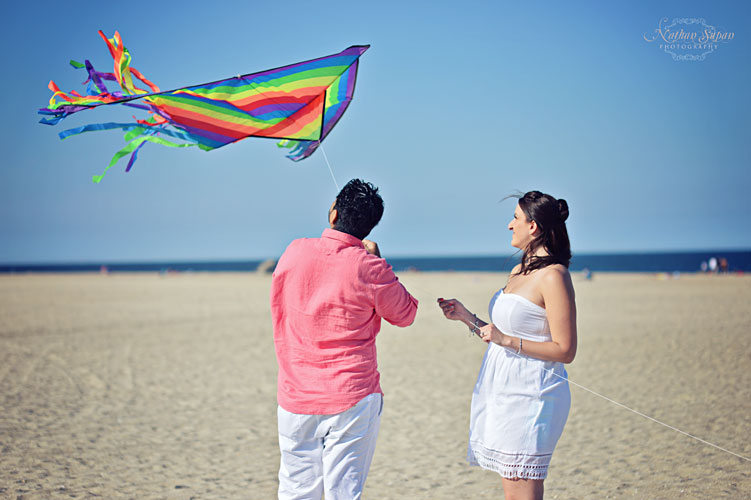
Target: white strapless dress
x: 519, y: 404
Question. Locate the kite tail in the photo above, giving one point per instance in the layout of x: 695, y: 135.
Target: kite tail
x: 132, y: 149
x: 300, y: 149
x: 123, y: 72
x: 96, y: 90
x: 136, y: 135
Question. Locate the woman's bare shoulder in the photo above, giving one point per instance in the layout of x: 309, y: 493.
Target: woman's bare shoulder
x: 558, y: 269
x: 556, y: 275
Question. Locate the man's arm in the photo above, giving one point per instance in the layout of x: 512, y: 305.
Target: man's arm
x: 392, y: 301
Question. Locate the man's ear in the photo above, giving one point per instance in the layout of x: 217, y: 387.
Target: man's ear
x: 333, y: 217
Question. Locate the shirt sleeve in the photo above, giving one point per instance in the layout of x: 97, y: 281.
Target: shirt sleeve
x: 392, y: 301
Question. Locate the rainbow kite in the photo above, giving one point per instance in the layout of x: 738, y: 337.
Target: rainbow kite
x: 299, y: 103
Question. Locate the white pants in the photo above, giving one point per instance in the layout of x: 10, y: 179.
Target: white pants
x: 328, y: 454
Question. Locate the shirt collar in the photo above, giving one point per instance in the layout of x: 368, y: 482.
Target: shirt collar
x: 343, y: 237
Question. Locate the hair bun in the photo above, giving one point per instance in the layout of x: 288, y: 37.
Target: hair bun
x: 563, y: 209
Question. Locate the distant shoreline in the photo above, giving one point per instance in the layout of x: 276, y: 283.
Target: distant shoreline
x: 642, y: 262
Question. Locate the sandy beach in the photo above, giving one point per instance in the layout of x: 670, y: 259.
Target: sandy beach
x: 151, y: 386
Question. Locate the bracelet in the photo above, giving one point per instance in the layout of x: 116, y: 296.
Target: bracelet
x: 518, y: 351
x: 475, y: 328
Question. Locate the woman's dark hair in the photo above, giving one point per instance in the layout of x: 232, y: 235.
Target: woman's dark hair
x: 550, y: 215
x: 359, y: 208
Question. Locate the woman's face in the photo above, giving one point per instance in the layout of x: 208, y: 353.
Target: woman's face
x: 522, y: 230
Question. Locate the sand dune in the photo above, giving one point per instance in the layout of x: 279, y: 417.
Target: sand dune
x: 148, y: 386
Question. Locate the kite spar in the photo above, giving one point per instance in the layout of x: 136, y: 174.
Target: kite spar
x: 299, y: 103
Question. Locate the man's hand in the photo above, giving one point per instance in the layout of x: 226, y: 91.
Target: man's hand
x: 371, y: 247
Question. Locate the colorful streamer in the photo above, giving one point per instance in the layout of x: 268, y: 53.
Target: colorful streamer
x: 299, y: 104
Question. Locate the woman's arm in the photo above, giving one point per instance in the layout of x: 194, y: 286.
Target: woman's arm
x: 455, y: 310
x: 558, y: 293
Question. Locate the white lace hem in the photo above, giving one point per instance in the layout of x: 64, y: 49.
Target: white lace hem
x: 509, y: 466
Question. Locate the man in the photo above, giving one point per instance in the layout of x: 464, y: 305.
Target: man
x: 328, y: 296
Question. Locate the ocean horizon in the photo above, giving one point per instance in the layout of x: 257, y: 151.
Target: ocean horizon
x: 738, y: 261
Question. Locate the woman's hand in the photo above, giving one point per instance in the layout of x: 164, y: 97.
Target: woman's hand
x: 454, y: 310
x: 489, y: 333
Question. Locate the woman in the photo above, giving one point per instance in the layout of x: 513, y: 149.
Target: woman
x: 521, y: 399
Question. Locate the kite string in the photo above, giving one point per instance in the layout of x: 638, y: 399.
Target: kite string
x: 638, y: 412
x: 624, y: 406
x: 320, y: 145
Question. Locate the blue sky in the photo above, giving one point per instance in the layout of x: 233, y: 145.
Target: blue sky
x: 457, y: 105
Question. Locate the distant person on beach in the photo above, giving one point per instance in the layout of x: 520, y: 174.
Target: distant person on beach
x: 521, y: 399
x: 328, y: 296
x: 713, y: 265
x: 724, y: 267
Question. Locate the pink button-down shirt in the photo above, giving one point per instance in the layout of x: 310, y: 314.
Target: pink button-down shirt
x: 328, y: 296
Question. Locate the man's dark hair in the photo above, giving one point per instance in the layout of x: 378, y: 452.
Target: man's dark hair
x: 359, y: 208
